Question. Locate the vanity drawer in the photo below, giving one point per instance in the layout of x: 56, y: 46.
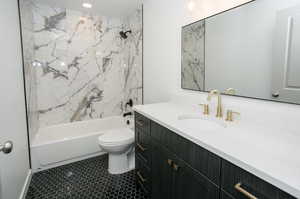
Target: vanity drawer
x: 236, y: 180
x: 224, y: 195
x: 197, y: 157
x: 142, y: 123
x: 143, y: 146
x: 143, y: 175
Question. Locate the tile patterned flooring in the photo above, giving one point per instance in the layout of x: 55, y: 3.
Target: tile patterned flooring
x: 86, y: 179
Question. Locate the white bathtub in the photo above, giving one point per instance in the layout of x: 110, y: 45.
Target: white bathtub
x: 61, y: 144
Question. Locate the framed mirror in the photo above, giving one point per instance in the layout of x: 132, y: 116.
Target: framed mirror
x: 253, y: 48
x: 192, y: 60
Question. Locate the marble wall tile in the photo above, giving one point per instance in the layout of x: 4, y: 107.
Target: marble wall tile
x: 84, y: 69
x: 193, y: 66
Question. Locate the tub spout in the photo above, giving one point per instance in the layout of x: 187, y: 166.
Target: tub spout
x: 127, y: 114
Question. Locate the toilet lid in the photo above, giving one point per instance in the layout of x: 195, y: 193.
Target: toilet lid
x: 117, y: 136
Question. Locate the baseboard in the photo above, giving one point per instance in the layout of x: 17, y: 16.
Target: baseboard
x: 26, y: 185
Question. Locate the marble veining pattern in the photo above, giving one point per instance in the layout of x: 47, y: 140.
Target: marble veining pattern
x: 84, y: 69
x: 193, y: 60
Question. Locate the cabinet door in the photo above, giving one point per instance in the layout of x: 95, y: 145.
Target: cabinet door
x: 143, y: 146
x: 142, y: 123
x: 236, y: 182
x: 225, y: 195
x: 197, y: 157
x: 162, y: 172
x: 189, y: 183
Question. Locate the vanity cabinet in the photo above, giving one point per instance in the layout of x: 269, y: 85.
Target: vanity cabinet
x: 143, y: 175
x: 172, y: 178
x: 162, y: 172
x: 143, y: 146
x: 236, y: 180
x: 191, y: 184
x: 143, y: 153
x: 198, y: 158
x: 168, y: 166
x: 171, y: 167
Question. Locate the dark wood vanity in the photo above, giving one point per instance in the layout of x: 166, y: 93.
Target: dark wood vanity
x: 169, y: 166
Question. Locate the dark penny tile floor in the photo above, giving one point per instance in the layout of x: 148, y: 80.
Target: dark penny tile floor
x: 83, y: 180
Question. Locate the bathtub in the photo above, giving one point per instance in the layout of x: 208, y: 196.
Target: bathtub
x: 61, y: 144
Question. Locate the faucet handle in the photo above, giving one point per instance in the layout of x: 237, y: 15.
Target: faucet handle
x: 230, y: 91
x: 230, y: 114
x: 211, y: 93
x: 205, y: 109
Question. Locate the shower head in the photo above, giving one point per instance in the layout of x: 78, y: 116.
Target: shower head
x: 124, y: 34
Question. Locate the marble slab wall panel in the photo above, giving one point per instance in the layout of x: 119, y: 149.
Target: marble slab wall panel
x: 133, y: 72
x: 85, y: 70
x: 29, y: 70
x: 193, y: 66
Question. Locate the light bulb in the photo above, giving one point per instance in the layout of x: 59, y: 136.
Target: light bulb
x: 191, y: 5
x: 87, y: 5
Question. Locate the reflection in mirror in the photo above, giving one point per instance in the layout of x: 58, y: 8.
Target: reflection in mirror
x: 193, y: 56
x: 253, y: 49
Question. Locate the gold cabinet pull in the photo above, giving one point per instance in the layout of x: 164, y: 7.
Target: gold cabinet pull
x: 140, y: 123
x: 175, y: 167
x: 239, y: 188
x: 141, y: 147
x: 141, y: 177
x: 170, y: 162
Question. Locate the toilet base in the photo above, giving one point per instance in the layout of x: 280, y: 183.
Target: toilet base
x: 120, y: 163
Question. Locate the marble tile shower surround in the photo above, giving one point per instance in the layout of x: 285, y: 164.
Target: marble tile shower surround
x: 193, y: 68
x: 29, y: 71
x: 84, y: 69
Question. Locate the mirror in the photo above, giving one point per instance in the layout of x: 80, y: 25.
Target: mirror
x: 193, y: 56
x: 252, y: 48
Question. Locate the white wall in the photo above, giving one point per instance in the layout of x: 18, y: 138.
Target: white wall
x: 162, y: 26
x: 14, y: 166
x: 198, y: 9
x: 27, y: 26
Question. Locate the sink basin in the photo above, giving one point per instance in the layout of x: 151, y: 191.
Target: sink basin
x: 203, y: 120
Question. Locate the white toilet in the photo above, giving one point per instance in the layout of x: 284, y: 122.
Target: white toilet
x: 119, y: 144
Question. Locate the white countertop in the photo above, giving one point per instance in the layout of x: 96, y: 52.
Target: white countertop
x: 271, y: 154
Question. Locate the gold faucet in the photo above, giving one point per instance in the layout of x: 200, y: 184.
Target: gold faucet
x: 229, y: 117
x: 230, y: 91
x: 219, y: 107
x: 205, y: 109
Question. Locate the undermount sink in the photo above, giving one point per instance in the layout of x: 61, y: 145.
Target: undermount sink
x: 202, y: 120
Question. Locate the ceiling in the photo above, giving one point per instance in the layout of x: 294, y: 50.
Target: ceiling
x: 101, y: 7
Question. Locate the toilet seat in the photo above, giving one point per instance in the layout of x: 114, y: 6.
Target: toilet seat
x: 115, y: 137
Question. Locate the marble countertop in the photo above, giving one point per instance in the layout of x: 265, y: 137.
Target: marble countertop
x: 269, y: 153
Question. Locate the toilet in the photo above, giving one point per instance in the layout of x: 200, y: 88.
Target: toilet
x: 119, y: 144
